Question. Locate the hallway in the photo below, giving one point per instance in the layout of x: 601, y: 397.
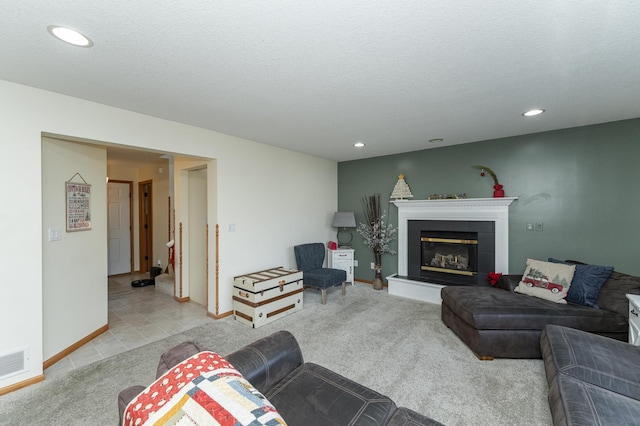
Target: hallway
x: 137, y: 316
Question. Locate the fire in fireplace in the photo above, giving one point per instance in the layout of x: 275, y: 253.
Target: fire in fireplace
x: 450, y: 252
x: 447, y: 252
x: 449, y: 255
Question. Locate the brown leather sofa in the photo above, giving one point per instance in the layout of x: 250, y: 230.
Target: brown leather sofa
x: 496, y: 322
x: 303, y: 393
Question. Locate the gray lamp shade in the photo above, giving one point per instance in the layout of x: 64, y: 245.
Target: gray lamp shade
x: 344, y: 220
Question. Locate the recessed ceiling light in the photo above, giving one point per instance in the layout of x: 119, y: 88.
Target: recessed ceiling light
x: 70, y: 36
x: 436, y: 140
x: 358, y: 144
x: 532, y: 112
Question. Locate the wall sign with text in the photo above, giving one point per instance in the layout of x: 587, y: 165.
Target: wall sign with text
x: 78, y: 206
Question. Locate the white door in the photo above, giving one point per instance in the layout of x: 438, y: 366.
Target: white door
x: 119, y: 232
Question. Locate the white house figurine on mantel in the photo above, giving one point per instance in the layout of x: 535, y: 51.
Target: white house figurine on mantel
x: 401, y: 191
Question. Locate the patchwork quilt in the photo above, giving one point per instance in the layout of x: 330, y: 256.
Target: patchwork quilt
x: 202, y: 390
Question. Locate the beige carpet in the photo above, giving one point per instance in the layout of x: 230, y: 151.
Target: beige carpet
x: 396, y: 346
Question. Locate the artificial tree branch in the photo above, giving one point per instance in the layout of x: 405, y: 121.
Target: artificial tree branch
x: 488, y: 170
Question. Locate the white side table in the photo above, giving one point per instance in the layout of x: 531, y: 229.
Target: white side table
x: 342, y: 259
x: 634, y: 319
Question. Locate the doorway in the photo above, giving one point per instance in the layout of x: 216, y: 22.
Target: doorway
x: 119, y: 215
x: 145, y: 216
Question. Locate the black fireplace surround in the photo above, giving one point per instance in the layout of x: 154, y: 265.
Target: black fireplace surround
x: 434, y: 257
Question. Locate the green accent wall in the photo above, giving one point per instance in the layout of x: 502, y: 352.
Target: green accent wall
x: 581, y: 183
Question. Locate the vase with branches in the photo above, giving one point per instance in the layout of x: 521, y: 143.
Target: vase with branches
x: 376, y: 233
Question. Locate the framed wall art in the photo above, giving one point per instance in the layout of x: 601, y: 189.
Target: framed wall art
x: 78, y: 196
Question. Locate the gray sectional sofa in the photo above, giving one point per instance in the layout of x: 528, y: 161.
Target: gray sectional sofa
x: 593, y: 380
x: 496, y: 322
x: 592, y: 372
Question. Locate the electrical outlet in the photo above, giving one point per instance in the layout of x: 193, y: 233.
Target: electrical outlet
x: 355, y: 263
x: 538, y: 226
x: 373, y: 265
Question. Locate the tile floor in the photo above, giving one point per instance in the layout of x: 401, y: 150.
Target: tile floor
x: 137, y: 316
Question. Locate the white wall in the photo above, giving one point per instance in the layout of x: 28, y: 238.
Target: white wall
x: 276, y: 198
x: 74, y: 279
x: 198, y: 221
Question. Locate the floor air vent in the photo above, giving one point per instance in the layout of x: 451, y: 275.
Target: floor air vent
x: 14, y: 362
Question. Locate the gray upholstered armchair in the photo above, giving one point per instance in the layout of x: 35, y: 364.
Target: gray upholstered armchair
x: 310, y: 258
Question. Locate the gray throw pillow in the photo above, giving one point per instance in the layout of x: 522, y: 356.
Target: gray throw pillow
x: 586, y: 283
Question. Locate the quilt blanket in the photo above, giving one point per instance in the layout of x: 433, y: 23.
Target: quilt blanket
x: 202, y: 390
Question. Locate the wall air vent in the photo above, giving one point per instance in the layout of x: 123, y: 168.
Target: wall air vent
x: 15, y: 362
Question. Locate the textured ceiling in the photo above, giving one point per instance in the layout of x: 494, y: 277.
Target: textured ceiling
x: 316, y: 77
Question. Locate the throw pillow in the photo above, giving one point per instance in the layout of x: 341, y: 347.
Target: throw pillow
x: 546, y: 280
x: 587, y: 282
x: 203, y: 389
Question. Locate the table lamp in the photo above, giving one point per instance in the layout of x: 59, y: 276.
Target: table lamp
x: 342, y: 221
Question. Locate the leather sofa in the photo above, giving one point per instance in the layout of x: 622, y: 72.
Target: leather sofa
x: 496, y: 322
x: 303, y: 393
x: 592, y: 380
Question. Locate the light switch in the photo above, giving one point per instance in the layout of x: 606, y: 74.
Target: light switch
x: 55, y: 234
x: 231, y: 227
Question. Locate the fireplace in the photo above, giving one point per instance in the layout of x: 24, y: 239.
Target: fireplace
x: 465, y: 239
x: 450, y: 252
x: 452, y: 256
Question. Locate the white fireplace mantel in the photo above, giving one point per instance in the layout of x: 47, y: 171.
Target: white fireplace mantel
x: 468, y: 209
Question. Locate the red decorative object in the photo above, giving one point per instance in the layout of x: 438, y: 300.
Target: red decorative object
x: 493, y: 277
x: 333, y: 245
x: 172, y: 256
x: 498, y: 189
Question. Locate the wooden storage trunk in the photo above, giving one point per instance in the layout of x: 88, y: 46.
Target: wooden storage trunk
x: 262, y: 297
